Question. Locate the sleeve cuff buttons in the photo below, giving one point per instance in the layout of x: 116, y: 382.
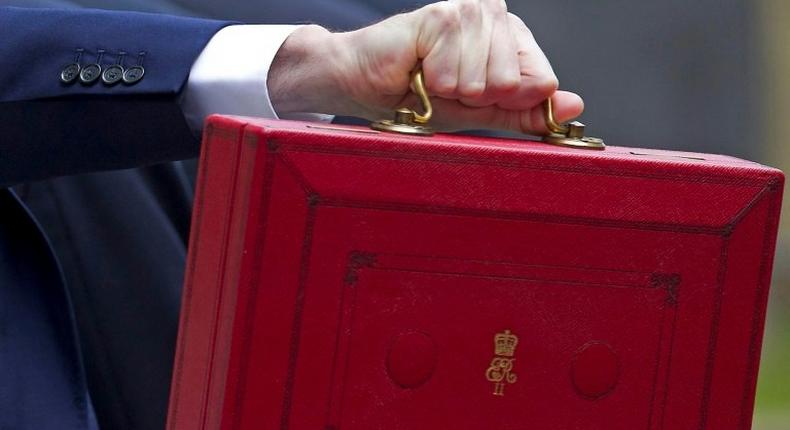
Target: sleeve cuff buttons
x: 133, y: 75
x: 90, y: 74
x: 70, y: 73
x: 110, y: 75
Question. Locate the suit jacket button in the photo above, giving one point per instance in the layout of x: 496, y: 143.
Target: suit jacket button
x: 133, y: 75
x: 70, y: 73
x: 112, y: 75
x: 90, y: 74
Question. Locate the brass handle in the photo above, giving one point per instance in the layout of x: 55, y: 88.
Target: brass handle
x: 409, y: 121
x: 571, y: 134
x: 418, y: 85
x: 551, y: 123
x: 406, y: 120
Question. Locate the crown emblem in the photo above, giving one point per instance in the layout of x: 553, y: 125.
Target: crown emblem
x: 500, y: 372
x: 505, y: 344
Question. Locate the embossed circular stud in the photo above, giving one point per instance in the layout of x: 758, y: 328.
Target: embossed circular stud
x: 412, y: 359
x: 595, y: 370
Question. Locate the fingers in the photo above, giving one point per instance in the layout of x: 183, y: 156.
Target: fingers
x: 451, y: 115
x: 538, y: 80
x: 468, y: 51
x: 502, y: 67
x: 477, y: 52
x: 482, y: 66
x: 441, y: 63
x: 476, y: 29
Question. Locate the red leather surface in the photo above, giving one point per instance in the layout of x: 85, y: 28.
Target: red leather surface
x: 346, y: 279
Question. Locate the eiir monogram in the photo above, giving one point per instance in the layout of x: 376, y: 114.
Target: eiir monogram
x: 499, y: 372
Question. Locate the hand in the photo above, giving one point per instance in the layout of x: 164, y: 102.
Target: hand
x: 482, y: 68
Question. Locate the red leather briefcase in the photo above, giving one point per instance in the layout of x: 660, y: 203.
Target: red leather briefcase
x: 342, y: 278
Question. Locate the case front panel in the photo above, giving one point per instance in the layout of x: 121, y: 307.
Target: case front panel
x: 401, y: 315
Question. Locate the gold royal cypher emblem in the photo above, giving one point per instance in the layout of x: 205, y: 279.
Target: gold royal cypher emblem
x: 501, y: 368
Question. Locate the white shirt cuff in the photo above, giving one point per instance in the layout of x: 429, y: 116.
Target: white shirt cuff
x: 229, y: 76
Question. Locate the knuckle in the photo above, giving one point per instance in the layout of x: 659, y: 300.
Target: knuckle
x: 452, y: 17
x: 439, y: 81
x: 498, y: 7
x: 435, y: 10
x: 471, y: 89
x: 445, y: 14
x: 469, y: 9
x: 441, y: 86
x: 504, y: 84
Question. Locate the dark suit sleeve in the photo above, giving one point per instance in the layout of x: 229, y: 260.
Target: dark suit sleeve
x: 49, y: 128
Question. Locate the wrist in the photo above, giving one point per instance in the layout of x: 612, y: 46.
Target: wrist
x: 305, y: 75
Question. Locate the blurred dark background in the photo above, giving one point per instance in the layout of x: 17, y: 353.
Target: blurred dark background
x: 706, y: 76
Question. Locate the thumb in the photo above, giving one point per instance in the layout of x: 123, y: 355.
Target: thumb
x: 451, y: 115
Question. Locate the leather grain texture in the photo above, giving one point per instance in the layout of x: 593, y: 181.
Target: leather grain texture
x: 345, y: 279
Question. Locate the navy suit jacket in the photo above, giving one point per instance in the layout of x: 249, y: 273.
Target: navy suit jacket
x: 50, y: 129
x: 116, y: 239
